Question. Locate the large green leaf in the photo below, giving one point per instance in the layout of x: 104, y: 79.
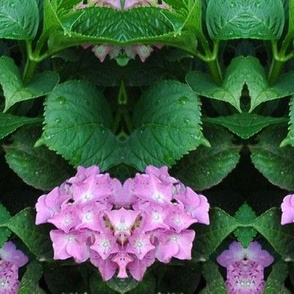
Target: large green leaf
x: 244, y: 125
x: 122, y: 285
x: 4, y: 232
x: 77, y: 125
x: 167, y: 126
x: 280, y: 237
x: 166, y: 121
x: 215, y: 282
x: 236, y: 19
x: 38, y: 167
x: 276, y: 279
x: 274, y: 162
x: 30, y: 281
x: 147, y: 25
x: 19, y: 19
x: 241, y: 71
x: 208, y: 166
x: 289, y: 140
x: 210, y: 237
x: 13, y: 87
x: 9, y: 123
x: 35, y: 238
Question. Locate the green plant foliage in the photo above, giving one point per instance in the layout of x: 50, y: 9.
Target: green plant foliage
x: 269, y: 226
x: 215, y: 282
x: 275, y: 281
x: 73, y: 129
x: 259, y: 19
x: 35, y: 238
x: 38, y: 167
x: 30, y: 280
x: 9, y: 123
x: 245, y: 125
x: 13, y: 87
x: 241, y: 71
x: 4, y: 232
x: 208, y: 166
x: 289, y: 140
x: 274, y: 162
x: 122, y: 285
x: 245, y: 235
x: 19, y: 19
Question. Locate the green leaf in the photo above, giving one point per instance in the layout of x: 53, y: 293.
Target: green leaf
x: 146, y: 286
x: 289, y: 140
x: 122, y: 285
x: 280, y: 237
x: 38, y: 167
x: 167, y: 126
x: 244, y: 125
x: 78, y: 122
x: 148, y: 25
x: 30, y: 280
x: 4, y: 232
x: 13, y: 87
x: 97, y: 285
x: 245, y: 215
x: 274, y: 162
x: 275, y: 281
x: 35, y: 238
x: 9, y: 123
x: 241, y: 71
x: 236, y: 19
x: 19, y: 19
x: 210, y: 237
x: 214, y: 280
x: 201, y: 168
x: 77, y: 125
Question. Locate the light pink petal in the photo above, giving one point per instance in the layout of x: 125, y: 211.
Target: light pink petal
x: 122, y: 259
x: 287, y: 210
x: 9, y: 253
x: 139, y: 244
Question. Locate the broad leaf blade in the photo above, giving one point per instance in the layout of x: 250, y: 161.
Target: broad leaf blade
x: 167, y: 126
x: 9, y: 123
x: 280, y: 237
x: 238, y: 19
x: 274, y: 162
x: 200, y: 169
x: 38, y: 167
x: 19, y: 19
x: 35, y: 238
x: 77, y: 125
x: 13, y: 88
x: 30, y: 281
x: 4, y: 232
x: 245, y: 125
x: 289, y: 140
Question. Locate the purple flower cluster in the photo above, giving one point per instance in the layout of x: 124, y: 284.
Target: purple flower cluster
x: 115, y: 51
x: 245, y: 268
x: 11, y: 260
x: 122, y: 228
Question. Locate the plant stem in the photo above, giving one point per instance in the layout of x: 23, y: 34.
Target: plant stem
x: 31, y: 64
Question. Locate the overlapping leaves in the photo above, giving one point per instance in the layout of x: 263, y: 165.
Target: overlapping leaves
x: 166, y: 125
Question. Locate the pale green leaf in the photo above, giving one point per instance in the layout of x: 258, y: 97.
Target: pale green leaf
x: 19, y: 19
x: 14, y: 89
x: 247, y: 19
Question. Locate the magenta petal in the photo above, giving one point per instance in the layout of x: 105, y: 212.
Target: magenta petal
x: 122, y: 259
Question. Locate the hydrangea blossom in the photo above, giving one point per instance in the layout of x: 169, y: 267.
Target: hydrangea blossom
x: 11, y: 260
x: 288, y: 210
x: 245, y: 268
x: 122, y: 228
x: 114, y: 51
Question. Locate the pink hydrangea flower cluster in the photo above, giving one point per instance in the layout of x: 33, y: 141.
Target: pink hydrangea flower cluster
x: 288, y: 210
x: 11, y: 260
x: 114, y: 51
x: 245, y: 268
x: 122, y: 228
